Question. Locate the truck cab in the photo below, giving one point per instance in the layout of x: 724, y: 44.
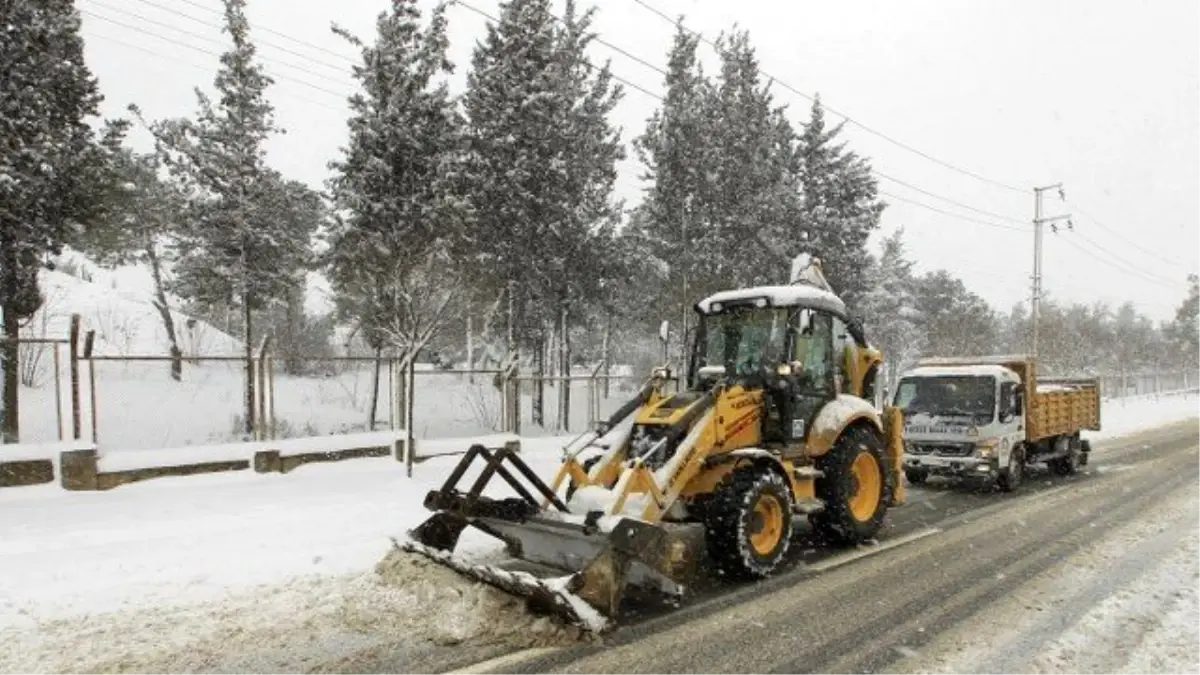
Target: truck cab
x: 961, y: 421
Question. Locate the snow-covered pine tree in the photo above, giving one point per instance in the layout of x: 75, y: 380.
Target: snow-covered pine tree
x: 1183, y: 331
x: 889, y: 308
x: 954, y: 321
x: 540, y: 165
x: 675, y: 149
x: 234, y: 252
x: 300, y: 213
x: 53, y: 168
x: 140, y: 228
x: 841, y: 206
x: 401, y: 209
x: 753, y: 199
x: 584, y: 244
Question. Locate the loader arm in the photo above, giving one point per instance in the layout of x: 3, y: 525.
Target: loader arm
x: 641, y: 491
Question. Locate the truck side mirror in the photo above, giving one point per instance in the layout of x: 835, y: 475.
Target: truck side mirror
x: 664, y: 331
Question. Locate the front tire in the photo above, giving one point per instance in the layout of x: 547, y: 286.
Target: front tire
x: 856, y: 488
x: 1011, y: 475
x: 749, y: 522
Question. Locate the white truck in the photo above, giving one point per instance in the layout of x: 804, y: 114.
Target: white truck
x: 987, y: 418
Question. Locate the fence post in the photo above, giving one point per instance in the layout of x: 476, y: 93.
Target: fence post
x: 89, y: 342
x: 270, y: 396
x: 73, y: 341
x: 410, y: 386
x: 594, y: 392
x: 393, y: 418
x: 512, y: 388
x: 258, y: 363
x: 58, y: 396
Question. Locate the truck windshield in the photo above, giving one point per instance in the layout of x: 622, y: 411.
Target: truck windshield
x: 743, y: 339
x: 957, y: 395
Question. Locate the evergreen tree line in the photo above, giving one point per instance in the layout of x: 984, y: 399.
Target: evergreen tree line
x: 485, y: 219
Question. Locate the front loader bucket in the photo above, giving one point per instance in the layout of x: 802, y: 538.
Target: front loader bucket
x: 549, y: 594
x: 571, y: 565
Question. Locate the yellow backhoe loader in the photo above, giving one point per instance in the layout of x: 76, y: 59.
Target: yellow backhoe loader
x: 775, y: 423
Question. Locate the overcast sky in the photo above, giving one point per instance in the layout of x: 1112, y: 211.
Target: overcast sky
x: 1100, y: 95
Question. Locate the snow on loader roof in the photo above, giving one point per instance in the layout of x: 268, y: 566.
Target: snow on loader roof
x: 807, y: 288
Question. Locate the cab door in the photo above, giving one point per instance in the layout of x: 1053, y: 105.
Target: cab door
x: 815, y: 369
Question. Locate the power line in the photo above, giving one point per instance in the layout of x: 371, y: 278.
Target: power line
x: 985, y: 212
x: 197, y: 66
x: 265, y: 58
x: 589, y: 64
x: 1126, y: 262
x: 1127, y: 240
x: 201, y: 50
x: 259, y: 41
x: 1071, y: 287
x: 1116, y: 266
x: 289, y: 38
x: 845, y: 116
x: 958, y: 216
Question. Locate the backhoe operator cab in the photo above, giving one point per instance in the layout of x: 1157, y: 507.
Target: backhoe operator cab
x: 794, y: 343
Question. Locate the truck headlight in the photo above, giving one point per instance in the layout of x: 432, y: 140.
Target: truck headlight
x: 986, y: 449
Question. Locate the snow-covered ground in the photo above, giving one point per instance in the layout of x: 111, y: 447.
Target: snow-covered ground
x: 233, y: 571
x: 1126, y: 604
x: 87, y: 578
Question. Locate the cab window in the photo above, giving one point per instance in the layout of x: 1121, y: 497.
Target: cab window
x: 813, y: 348
x: 843, y: 352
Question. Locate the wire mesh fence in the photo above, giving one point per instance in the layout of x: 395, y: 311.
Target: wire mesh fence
x: 133, y: 402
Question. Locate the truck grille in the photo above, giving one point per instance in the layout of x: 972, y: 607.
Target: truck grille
x: 942, y: 449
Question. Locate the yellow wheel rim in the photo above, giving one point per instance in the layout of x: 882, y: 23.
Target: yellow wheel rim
x: 868, y: 487
x: 766, y: 525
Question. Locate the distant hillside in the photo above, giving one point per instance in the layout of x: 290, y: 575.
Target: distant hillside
x: 117, y: 305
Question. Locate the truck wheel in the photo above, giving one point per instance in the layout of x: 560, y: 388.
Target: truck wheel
x: 856, y: 488
x: 749, y: 522
x: 916, y: 476
x: 1068, y: 465
x: 1011, y: 475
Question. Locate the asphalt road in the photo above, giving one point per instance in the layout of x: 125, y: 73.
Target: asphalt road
x: 946, y: 555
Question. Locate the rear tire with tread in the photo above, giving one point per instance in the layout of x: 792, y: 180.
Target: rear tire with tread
x: 1069, y: 465
x: 840, y: 485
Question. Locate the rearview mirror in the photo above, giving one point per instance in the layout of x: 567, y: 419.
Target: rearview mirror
x: 664, y: 331
x: 855, y: 324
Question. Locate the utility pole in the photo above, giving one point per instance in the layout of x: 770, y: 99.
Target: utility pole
x: 1038, y: 221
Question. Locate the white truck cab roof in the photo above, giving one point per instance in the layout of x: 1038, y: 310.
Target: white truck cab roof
x: 982, y: 370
